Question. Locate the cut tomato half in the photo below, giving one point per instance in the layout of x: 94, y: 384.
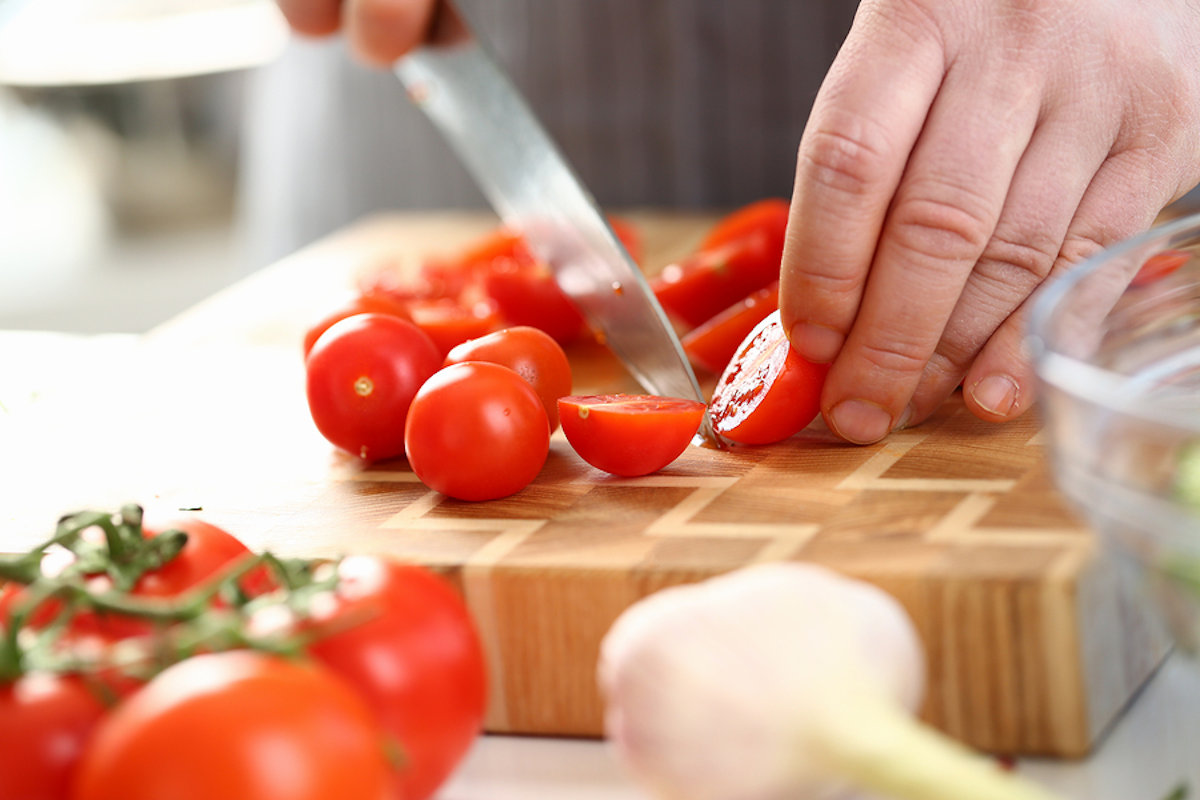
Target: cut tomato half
x: 715, y: 342
x: 629, y: 434
x: 709, y: 281
x: 768, y: 392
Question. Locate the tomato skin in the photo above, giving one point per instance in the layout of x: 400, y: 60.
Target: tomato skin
x: 768, y: 392
x: 238, y: 725
x: 365, y: 303
x: 477, y: 431
x: 709, y: 281
x: 712, y: 344
x: 768, y: 216
x: 416, y: 658
x: 526, y: 294
x: 531, y: 353
x: 362, y: 375
x: 45, y: 724
x: 629, y: 435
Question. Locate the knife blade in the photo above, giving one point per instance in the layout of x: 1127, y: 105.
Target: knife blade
x: 457, y: 83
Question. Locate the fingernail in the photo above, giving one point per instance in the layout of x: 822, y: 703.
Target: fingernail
x: 816, y: 343
x: 995, y: 394
x: 860, y: 421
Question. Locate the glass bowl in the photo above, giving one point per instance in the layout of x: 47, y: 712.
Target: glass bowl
x: 1116, y: 346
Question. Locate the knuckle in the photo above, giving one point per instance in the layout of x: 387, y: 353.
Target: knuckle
x: 850, y: 159
x: 896, y: 357
x: 1019, y: 260
x: 1079, y: 247
x: 943, y: 230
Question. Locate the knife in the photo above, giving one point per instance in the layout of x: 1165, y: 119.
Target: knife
x: 486, y: 121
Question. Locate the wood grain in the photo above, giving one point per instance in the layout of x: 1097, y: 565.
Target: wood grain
x: 1035, y: 640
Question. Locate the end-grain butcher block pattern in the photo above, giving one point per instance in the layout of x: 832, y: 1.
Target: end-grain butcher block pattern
x: 1034, y: 641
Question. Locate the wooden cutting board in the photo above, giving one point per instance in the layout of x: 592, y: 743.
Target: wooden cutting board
x: 1035, y: 642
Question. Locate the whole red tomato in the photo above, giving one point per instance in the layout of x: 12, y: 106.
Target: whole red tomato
x: 406, y: 644
x: 477, y: 431
x: 362, y: 375
x: 45, y: 723
x: 629, y: 435
x: 531, y: 353
x: 768, y: 392
x: 239, y: 725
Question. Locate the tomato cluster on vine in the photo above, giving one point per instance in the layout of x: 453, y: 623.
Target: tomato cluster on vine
x: 150, y: 661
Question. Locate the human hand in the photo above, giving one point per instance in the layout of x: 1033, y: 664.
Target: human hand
x: 957, y: 155
x: 379, y: 31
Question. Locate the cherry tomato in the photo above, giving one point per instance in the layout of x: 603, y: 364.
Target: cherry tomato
x: 713, y: 343
x: 630, y: 238
x: 238, y: 725
x: 362, y: 375
x: 531, y: 353
x: 1159, y: 266
x: 208, y: 549
x: 629, y: 435
x: 45, y: 723
x: 409, y: 648
x: 369, y: 303
x: 768, y: 392
x: 526, y: 294
x: 477, y: 431
x: 770, y: 216
x: 709, y: 281
x: 449, y: 323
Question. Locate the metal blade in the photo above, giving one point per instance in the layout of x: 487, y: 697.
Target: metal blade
x: 534, y: 191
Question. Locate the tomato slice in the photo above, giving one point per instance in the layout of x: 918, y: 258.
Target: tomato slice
x: 715, y: 342
x: 769, y: 216
x: 626, y: 434
x: 768, y: 392
x: 448, y: 323
x: 709, y: 281
x: 1159, y: 266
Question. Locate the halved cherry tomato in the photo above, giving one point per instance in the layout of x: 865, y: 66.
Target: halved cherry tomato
x: 531, y: 353
x: 362, y: 375
x: 713, y: 343
x: 449, y: 323
x: 769, y: 216
x: 373, y: 303
x: 1159, y: 266
x: 406, y: 643
x: 45, y: 723
x: 709, y: 281
x: 239, y: 725
x: 768, y: 392
x: 629, y: 435
x: 526, y: 294
x: 477, y: 431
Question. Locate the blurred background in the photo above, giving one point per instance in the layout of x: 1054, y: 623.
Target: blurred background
x: 119, y: 134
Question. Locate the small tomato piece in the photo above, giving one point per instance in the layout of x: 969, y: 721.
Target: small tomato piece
x: 449, y: 323
x: 531, y: 353
x: 45, y: 723
x: 239, y: 725
x: 714, y: 343
x: 768, y: 392
x: 361, y: 377
x: 405, y: 642
x: 477, y: 431
x: 709, y: 281
x: 629, y: 435
x: 1159, y: 266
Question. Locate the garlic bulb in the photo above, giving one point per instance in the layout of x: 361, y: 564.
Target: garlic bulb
x: 780, y: 681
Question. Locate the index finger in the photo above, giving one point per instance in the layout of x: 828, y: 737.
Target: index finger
x: 864, y: 123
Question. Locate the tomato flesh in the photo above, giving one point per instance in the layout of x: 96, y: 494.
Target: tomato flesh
x: 629, y: 435
x: 768, y: 392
